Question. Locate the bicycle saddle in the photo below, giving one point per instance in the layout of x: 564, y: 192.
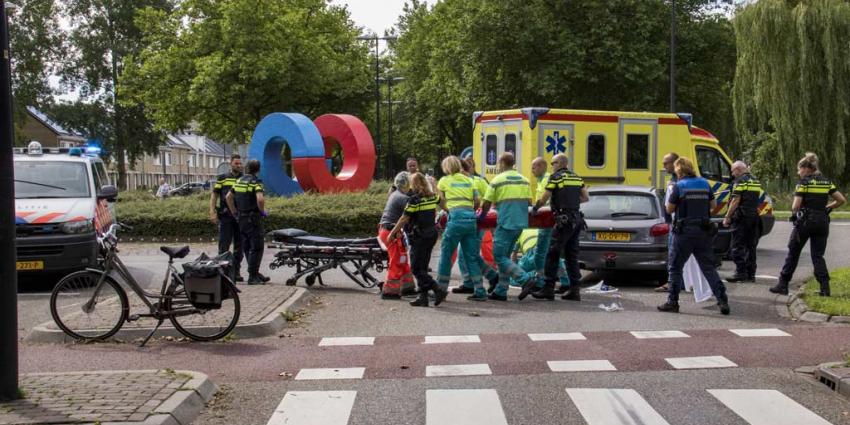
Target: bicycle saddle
x: 173, y: 252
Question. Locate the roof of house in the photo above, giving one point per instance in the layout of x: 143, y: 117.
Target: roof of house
x: 213, y: 148
x: 174, y: 141
x: 53, y: 125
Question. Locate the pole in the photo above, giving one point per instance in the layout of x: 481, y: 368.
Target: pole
x: 672, y: 55
x: 9, y: 283
x: 378, y: 99
x: 390, y: 165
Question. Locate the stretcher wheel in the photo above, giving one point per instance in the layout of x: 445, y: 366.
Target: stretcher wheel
x: 290, y: 282
x: 310, y: 280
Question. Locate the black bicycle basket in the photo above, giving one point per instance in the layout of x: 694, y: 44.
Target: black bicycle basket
x: 204, y: 281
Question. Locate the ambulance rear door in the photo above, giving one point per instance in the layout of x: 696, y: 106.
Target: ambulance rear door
x: 555, y: 138
x: 498, y: 137
x: 638, y: 151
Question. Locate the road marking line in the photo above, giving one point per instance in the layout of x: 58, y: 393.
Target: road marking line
x: 704, y: 362
x: 569, y: 336
x: 580, y: 365
x: 659, y: 334
x: 314, y: 408
x: 766, y: 276
x: 463, y: 407
x: 451, y: 339
x: 600, y: 406
x: 341, y: 341
x: 329, y: 373
x: 767, y: 407
x: 458, y: 370
x: 758, y: 332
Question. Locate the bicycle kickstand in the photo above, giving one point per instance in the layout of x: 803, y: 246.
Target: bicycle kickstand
x: 158, y: 324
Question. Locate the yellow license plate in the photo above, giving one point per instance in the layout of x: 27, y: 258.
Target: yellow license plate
x: 29, y: 265
x: 612, y: 237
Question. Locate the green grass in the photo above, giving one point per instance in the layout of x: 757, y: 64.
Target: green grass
x: 836, y: 215
x: 836, y: 305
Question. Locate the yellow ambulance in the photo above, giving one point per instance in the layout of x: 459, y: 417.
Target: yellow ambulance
x: 605, y: 147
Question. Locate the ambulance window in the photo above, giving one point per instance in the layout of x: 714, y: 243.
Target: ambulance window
x: 491, y: 148
x: 596, y: 150
x: 712, y: 165
x: 510, y: 143
x: 637, y: 152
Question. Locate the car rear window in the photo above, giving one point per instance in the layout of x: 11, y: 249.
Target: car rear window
x: 620, y: 206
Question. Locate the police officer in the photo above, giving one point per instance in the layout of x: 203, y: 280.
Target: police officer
x: 228, y: 228
x: 691, y: 201
x: 743, y: 216
x: 566, y: 192
x: 814, y: 198
x: 510, y: 192
x: 247, y: 203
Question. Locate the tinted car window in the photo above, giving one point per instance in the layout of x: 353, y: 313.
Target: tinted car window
x: 620, y: 206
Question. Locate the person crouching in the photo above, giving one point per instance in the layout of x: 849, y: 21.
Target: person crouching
x: 399, y: 279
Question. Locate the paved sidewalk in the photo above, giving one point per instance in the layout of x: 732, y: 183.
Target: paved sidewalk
x: 146, y: 397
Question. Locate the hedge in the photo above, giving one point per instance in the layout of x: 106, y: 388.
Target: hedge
x: 341, y: 214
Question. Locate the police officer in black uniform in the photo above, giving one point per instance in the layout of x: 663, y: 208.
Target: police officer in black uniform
x: 228, y: 227
x: 814, y: 198
x: 247, y: 202
x: 692, y: 200
x: 566, y: 191
x: 743, y: 216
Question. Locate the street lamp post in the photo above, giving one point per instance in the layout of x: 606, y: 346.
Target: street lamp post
x: 390, y: 102
x: 673, y: 56
x: 374, y: 38
x: 9, y: 283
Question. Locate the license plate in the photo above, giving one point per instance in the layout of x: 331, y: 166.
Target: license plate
x: 29, y: 265
x: 611, y: 237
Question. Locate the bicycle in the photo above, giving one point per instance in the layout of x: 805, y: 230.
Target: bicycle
x: 85, y: 300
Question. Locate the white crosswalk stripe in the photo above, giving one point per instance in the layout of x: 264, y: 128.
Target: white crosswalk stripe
x: 767, y: 407
x: 580, y: 366
x: 343, y: 341
x: 330, y: 373
x: 701, y: 362
x: 569, y: 336
x: 750, y: 333
x: 659, y: 334
x: 458, y: 370
x: 314, y: 408
x: 599, y: 406
x: 451, y: 339
x: 464, y: 407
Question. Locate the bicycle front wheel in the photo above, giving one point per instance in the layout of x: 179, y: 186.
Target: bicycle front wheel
x: 201, y: 324
x: 85, y: 310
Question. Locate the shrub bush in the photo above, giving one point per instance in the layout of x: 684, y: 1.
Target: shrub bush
x: 340, y: 214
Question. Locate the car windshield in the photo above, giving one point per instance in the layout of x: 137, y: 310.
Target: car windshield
x: 51, y: 179
x: 620, y: 206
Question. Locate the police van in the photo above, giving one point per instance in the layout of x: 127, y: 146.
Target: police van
x: 606, y: 147
x: 62, y: 200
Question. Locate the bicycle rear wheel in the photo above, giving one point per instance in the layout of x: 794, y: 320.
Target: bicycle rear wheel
x: 85, y: 310
x: 202, y: 324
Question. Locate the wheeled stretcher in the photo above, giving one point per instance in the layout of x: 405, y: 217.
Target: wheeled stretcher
x: 312, y: 255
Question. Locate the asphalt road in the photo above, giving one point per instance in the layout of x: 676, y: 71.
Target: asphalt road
x: 394, y: 389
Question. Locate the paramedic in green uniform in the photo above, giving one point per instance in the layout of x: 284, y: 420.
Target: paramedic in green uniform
x: 480, y: 185
x: 544, y: 235
x: 528, y: 246
x: 458, y: 197
x: 510, y: 192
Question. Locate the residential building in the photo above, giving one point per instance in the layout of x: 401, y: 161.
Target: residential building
x: 38, y: 126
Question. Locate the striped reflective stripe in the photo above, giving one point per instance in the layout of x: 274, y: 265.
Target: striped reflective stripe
x: 427, y: 204
x: 457, y: 190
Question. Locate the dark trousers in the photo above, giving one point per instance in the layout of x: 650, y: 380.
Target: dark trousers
x: 693, y: 241
x: 228, y: 233
x: 744, y: 242
x: 251, y: 227
x: 421, y: 248
x: 564, y: 243
x: 818, y: 231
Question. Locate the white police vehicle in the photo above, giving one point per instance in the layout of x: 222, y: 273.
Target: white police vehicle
x: 62, y: 198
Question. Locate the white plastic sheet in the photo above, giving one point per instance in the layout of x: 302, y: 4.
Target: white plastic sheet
x: 695, y: 281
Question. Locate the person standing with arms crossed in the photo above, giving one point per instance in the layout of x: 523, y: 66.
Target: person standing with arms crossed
x: 247, y: 203
x: 228, y: 227
x: 814, y: 198
x: 743, y: 216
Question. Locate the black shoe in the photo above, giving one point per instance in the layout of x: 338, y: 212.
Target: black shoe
x: 439, y: 296
x: 255, y: 280
x: 527, y: 288
x: 737, y: 278
x: 263, y: 278
x: 724, y: 307
x: 572, y: 294
x: 492, y: 284
x: 474, y: 297
x: 496, y: 297
x: 562, y: 289
x: 546, y: 293
x: 422, y: 301
x: 780, y: 288
x: 239, y: 278
x: 462, y: 289
x: 669, y: 307
x: 751, y: 278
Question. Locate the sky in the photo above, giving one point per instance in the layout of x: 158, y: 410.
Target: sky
x: 375, y: 15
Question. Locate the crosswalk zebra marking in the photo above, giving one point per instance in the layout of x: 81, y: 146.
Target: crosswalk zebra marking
x: 463, y: 407
x: 330, y: 373
x: 702, y: 362
x: 451, y: 339
x: 767, y: 407
x: 659, y: 334
x: 314, y: 408
x: 600, y: 406
x: 750, y: 333
x: 580, y: 366
x: 569, y: 336
x: 458, y: 370
x: 345, y: 341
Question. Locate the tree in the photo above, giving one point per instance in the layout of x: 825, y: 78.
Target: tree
x: 792, y: 84
x: 226, y: 64
x: 103, y: 33
x: 36, y: 43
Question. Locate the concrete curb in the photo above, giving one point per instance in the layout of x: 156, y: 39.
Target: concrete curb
x: 799, y: 310
x: 836, y: 376
x: 270, y: 325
